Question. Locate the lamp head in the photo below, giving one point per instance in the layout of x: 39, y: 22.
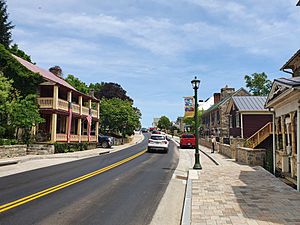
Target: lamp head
x: 195, y: 83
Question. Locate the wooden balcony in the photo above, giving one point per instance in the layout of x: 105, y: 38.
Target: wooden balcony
x: 45, y: 103
x: 258, y: 137
x: 61, y: 137
x: 48, y: 103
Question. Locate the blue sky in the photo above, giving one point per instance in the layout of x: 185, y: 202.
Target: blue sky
x: 154, y: 48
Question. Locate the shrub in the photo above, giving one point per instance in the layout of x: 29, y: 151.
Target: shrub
x: 70, y: 147
x: 8, y: 141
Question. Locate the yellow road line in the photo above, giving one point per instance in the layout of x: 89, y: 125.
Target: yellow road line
x: 50, y: 190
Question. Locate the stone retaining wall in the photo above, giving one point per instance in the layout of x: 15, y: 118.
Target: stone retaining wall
x: 224, y: 149
x: 205, y: 142
x: 40, y: 149
x: 250, y: 156
x: 8, y: 151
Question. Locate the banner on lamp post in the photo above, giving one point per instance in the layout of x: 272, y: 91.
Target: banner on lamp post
x: 189, y: 106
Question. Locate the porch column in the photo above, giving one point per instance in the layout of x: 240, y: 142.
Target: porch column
x: 274, y: 142
x: 79, y: 129
x: 242, y: 126
x: 55, y: 97
x: 98, y: 110
x: 285, y: 157
x: 298, y: 148
x: 53, y: 127
x: 97, y: 130
x: 283, y: 134
x: 90, y: 103
x: 293, y: 146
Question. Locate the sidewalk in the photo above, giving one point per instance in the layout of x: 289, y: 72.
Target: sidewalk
x: 31, y: 162
x: 231, y: 193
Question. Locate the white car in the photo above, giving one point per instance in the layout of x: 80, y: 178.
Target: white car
x: 158, y: 142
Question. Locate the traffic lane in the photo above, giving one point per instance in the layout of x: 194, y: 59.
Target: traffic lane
x: 19, y: 185
x: 128, y: 194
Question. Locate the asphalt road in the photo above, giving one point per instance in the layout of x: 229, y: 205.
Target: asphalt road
x: 127, y: 194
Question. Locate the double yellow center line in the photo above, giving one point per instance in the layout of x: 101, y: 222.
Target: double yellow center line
x: 50, y: 190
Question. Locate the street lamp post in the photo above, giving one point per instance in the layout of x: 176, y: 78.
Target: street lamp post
x: 196, y: 84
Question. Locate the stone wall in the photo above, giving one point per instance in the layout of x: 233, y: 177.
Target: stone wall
x: 224, y: 149
x: 234, y: 144
x: 120, y: 141
x: 252, y: 157
x: 8, y: 151
x: 205, y: 142
x: 40, y: 149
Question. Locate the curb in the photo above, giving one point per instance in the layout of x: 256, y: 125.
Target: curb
x: 9, y: 162
x: 186, y: 211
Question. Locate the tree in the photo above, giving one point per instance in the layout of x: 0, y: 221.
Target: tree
x: 78, y: 84
x: 25, y: 114
x: 258, y: 84
x: 109, y: 91
x: 164, y: 123
x: 24, y: 80
x: 14, y: 49
x: 118, y: 116
x: 5, y: 25
x: 190, y: 121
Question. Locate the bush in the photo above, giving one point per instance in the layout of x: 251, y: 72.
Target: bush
x: 70, y: 147
x: 8, y: 141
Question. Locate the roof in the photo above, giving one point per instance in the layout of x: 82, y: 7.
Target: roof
x: 286, y: 65
x: 291, y: 82
x: 298, y: 4
x: 44, y: 73
x: 215, y: 106
x: 49, y: 76
x: 250, y: 103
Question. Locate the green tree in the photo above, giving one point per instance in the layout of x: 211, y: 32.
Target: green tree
x: 109, y: 91
x: 14, y: 49
x: 258, y: 84
x: 164, y: 123
x: 5, y: 25
x: 118, y: 116
x: 25, y: 81
x: 191, y: 120
x: 78, y: 84
x: 25, y: 114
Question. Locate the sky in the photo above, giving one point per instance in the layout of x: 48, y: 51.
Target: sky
x: 154, y: 48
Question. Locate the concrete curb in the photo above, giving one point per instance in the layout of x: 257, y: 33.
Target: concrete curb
x: 186, y: 211
x: 9, y: 162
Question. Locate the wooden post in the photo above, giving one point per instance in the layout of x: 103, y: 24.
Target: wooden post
x: 53, y: 127
x: 283, y: 134
x: 55, y: 97
x: 79, y: 130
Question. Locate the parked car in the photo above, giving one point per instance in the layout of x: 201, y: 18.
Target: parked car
x: 144, y: 130
x: 158, y: 142
x: 187, y: 140
x: 105, y: 141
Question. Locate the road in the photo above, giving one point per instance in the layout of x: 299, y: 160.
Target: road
x: 126, y: 194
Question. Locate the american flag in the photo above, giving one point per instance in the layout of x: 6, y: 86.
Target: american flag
x: 89, y: 120
x: 70, y: 122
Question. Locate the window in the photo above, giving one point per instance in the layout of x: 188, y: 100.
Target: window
x: 157, y: 137
x: 237, y: 119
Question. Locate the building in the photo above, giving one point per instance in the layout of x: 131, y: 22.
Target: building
x: 247, y: 115
x: 155, y: 122
x: 215, y: 119
x: 204, y: 105
x: 70, y: 116
x: 284, y: 101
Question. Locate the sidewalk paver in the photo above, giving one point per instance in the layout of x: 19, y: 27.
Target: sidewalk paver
x: 231, y: 193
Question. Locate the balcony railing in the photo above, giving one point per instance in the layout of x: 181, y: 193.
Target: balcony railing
x: 63, y: 105
x: 45, y: 103
x: 48, y: 103
x: 259, y: 136
x: 75, y: 108
x: 75, y: 138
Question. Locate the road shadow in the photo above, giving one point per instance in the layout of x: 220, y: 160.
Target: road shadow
x: 265, y: 198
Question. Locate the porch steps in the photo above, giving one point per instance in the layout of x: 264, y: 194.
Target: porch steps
x: 261, y: 135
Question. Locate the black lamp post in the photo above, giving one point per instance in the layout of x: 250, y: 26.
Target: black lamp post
x: 196, y: 84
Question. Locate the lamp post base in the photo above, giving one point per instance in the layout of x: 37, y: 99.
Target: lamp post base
x: 197, y: 165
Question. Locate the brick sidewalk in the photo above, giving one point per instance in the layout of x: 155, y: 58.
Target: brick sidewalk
x: 232, y: 193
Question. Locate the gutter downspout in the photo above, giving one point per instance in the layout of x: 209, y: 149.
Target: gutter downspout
x: 287, y: 72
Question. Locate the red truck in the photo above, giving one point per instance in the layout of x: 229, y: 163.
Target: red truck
x: 187, y: 140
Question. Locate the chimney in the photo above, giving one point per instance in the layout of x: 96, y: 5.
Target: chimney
x: 92, y: 93
x: 56, y: 70
x: 226, y: 91
x: 217, y: 98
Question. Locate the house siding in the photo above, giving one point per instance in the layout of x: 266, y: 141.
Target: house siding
x: 252, y: 123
